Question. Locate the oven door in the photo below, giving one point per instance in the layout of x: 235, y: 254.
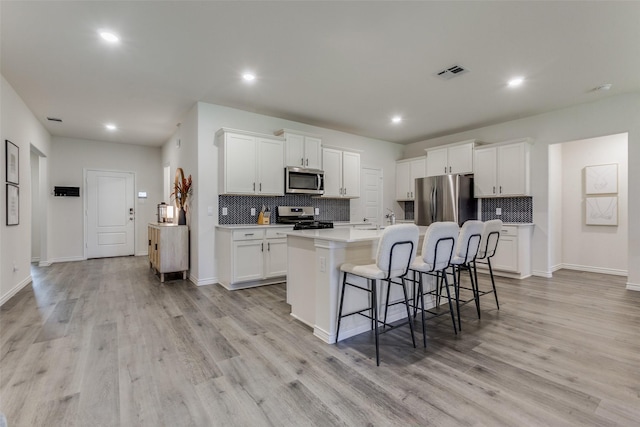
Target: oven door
x: 304, y: 181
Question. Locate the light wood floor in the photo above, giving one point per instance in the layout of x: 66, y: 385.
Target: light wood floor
x: 103, y: 343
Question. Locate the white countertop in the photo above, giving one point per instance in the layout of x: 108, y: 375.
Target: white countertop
x: 236, y: 226
x: 344, y: 235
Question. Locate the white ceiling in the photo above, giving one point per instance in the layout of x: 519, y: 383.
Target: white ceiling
x: 348, y: 66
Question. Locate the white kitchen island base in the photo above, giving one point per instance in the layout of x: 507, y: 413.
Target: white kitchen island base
x: 314, y: 280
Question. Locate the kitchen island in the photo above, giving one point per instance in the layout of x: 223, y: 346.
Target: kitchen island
x: 313, y: 279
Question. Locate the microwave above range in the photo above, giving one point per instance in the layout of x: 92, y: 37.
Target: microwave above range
x: 303, y: 181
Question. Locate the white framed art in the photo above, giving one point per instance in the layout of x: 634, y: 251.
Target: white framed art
x: 601, y: 179
x: 601, y: 210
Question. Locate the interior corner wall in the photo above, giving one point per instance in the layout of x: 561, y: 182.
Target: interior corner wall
x: 206, y: 120
x: 20, y: 126
x: 69, y: 158
x: 593, y: 247
x: 606, y: 116
x: 555, y: 205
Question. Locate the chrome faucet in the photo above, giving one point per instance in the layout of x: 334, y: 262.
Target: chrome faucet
x: 391, y: 216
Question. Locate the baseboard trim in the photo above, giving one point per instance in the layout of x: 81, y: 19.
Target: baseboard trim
x: 545, y: 274
x: 202, y: 282
x: 633, y: 286
x: 17, y: 288
x: 67, y: 259
x: 601, y: 270
x: 44, y: 264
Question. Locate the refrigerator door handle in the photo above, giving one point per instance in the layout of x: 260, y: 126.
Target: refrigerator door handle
x: 433, y: 205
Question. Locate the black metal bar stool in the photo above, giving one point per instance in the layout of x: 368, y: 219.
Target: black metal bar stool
x: 396, y: 251
x: 437, y: 251
x: 488, y: 246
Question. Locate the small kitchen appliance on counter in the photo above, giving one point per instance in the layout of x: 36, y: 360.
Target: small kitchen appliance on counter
x: 301, y: 217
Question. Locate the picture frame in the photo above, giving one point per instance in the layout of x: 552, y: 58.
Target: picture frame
x: 12, y: 162
x: 601, y: 179
x: 13, y: 204
x: 601, y: 211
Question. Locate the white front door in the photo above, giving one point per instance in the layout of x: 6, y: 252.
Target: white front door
x: 371, y: 200
x: 110, y: 214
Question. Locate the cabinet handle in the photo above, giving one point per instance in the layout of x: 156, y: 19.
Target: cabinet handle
x: 494, y: 189
x: 302, y: 161
x: 254, y: 186
x: 268, y: 246
x: 248, y: 234
x: 501, y: 189
x: 449, y: 169
x: 307, y: 162
x: 262, y: 247
x: 149, y: 242
x: 260, y: 186
x: 345, y: 191
x: 156, y: 247
x: 445, y: 169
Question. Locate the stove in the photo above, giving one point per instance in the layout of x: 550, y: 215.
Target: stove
x: 301, y: 217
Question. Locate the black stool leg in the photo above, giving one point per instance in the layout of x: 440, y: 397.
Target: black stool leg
x: 374, y: 297
x: 344, y: 285
x: 474, y: 285
x: 424, y: 329
x: 406, y: 304
x: 453, y: 318
x: 456, y: 289
x: 386, y: 305
x: 493, y: 283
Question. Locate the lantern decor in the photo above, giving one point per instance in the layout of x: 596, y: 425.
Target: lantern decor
x: 182, y: 189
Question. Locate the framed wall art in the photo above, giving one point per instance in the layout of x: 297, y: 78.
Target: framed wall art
x: 601, y: 179
x: 13, y: 204
x: 12, y: 160
x: 601, y: 211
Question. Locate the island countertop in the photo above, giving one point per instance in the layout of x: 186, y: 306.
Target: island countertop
x: 344, y: 235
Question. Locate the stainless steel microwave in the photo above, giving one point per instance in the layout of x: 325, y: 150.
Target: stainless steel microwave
x: 303, y: 181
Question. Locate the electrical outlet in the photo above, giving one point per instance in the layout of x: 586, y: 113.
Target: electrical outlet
x: 498, y: 211
x: 316, y: 211
x: 225, y: 211
x: 253, y: 211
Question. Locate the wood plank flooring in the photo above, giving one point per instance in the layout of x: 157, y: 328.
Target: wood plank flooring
x: 103, y: 343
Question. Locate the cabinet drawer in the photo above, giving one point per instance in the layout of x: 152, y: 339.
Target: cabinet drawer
x: 273, y: 233
x: 248, y: 234
x: 508, y: 230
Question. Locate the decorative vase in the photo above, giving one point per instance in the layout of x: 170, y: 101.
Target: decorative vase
x: 182, y: 217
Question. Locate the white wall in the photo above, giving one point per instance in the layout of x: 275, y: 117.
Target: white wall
x: 69, y: 158
x: 555, y: 205
x: 35, y: 206
x: 608, y: 116
x: 588, y: 247
x: 20, y: 126
x: 210, y: 118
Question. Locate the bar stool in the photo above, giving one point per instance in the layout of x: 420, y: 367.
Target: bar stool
x: 435, y: 257
x: 466, y: 252
x: 488, y: 246
x: 396, y: 250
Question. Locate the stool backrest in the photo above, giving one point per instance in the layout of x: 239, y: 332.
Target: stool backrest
x: 439, y: 243
x: 397, y: 248
x: 490, y: 237
x: 468, y: 241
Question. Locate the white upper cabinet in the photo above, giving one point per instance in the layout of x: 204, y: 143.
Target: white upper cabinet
x: 502, y: 170
x: 406, y: 173
x: 251, y: 163
x: 454, y: 158
x: 302, y: 150
x: 341, y: 173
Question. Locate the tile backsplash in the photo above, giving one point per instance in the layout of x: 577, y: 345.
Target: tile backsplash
x: 514, y: 209
x: 239, y: 207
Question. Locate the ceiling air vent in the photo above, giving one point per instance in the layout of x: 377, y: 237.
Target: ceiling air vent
x: 451, y: 72
x: 54, y: 119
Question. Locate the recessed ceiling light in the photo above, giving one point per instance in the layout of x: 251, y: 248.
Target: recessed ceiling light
x: 606, y: 86
x: 248, y: 77
x: 396, y: 119
x: 516, y: 81
x: 109, y: 36
x: 110, y: 126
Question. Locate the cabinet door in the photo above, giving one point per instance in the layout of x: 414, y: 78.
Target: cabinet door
x: 403, y: 178
x: 270, y: 167
x: 437, y: 162
x: 332, y: 164
x: 418, y: 170
x: 484, y: 177
x: 506, y: 257
x: 351, y: 174
x: 512, y: 170
x: 275, y: 258
x: 295, y: 150
x: 240, y: 164
x: 460, y: 158
x: 248, y: 260
x: 313, y: 152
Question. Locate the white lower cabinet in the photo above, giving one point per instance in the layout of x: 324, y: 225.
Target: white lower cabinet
x: 513, y: 255
x: 251, y: 256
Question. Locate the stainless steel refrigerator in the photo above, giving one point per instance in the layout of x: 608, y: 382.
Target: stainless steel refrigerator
x: 445, y: 198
